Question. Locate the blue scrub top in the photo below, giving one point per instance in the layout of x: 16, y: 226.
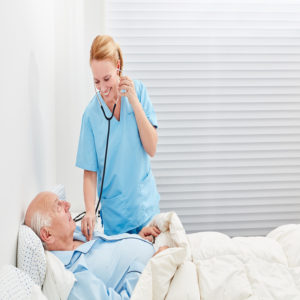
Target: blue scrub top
x: 130, y: 198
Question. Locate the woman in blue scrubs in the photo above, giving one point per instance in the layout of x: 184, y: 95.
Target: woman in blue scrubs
x: 130, y: 198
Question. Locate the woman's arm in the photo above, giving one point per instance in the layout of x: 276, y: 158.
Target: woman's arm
x: 89, y: 192
x: 147, y: 131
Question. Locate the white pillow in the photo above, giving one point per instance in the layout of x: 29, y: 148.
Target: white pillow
x: 16, y: 285
x: 31, y: 256
x: 35, y: 261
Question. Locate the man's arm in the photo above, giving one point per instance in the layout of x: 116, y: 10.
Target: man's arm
x: 88, y: 286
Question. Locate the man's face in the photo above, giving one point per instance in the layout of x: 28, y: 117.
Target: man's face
x: 62, y: 224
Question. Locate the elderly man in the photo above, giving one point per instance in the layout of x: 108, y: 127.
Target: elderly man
x: 107, y: 267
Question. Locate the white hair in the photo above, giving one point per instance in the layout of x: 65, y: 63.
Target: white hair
x: 38, y: 221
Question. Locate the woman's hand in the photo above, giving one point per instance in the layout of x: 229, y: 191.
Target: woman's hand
x: 88, y: 224
x: 147, y: 132
x: 127, y: 89
x: 149, y: 233
x: 89, y: 192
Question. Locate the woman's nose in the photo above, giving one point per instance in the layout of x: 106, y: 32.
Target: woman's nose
x: 102, y: 88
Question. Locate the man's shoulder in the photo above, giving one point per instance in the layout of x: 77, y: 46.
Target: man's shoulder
x: 79, y: 236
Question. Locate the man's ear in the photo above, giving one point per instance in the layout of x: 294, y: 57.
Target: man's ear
x: 46, y: 235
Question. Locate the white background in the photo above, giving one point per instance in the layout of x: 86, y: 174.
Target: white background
x: 229, y: 162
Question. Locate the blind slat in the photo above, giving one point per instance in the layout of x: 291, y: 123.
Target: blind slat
x: 224, y: 80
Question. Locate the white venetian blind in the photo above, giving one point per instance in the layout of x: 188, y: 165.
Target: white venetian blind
x: 224, y: 79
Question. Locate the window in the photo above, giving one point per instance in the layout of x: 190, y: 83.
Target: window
x: 224, y: 78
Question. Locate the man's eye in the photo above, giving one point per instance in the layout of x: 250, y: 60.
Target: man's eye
x: 59, y: 207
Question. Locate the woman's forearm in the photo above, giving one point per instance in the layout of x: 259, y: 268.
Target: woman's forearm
x: 89, y: 190
x: 147, y: 131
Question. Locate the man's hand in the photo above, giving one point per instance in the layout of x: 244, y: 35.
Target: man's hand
x: 160, y: 249
x: 149, y: 233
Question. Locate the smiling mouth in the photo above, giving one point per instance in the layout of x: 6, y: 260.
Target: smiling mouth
x: 106, y: 93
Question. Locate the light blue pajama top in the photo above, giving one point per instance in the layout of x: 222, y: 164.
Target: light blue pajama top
x: 107, y: 267
x: 130, y: 198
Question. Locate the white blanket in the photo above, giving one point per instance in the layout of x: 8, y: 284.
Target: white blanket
x: 213, y: 266
x: 58, y: 280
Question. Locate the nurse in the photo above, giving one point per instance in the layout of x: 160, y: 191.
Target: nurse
x: 130, y: 198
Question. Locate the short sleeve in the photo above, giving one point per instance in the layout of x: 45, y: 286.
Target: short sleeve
x: 86, y: 153
x: 146, y: 103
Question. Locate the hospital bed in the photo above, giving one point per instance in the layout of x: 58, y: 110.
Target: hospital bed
x: 205, y: 265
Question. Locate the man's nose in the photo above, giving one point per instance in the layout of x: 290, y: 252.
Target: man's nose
x: 67, y: 205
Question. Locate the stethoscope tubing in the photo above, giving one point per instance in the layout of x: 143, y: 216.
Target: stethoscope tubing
x: 81, y: 215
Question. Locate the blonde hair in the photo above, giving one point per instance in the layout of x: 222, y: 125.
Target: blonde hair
x: 104, y: 47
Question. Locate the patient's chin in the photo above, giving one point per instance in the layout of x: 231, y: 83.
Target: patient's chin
x: 73, y: 225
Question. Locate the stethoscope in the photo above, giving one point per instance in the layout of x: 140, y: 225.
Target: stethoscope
x: 81, y: 215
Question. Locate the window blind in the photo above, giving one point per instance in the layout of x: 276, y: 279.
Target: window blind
x: 224, y: 79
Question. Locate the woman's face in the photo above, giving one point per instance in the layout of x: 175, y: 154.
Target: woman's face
x: 106, y: 79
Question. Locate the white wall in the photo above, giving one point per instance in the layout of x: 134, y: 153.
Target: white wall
x: 27, y: 151
x: 45, y: 86
x: 77, y: 23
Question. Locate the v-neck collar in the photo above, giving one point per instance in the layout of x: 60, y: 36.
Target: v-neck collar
x: 108, y: 112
